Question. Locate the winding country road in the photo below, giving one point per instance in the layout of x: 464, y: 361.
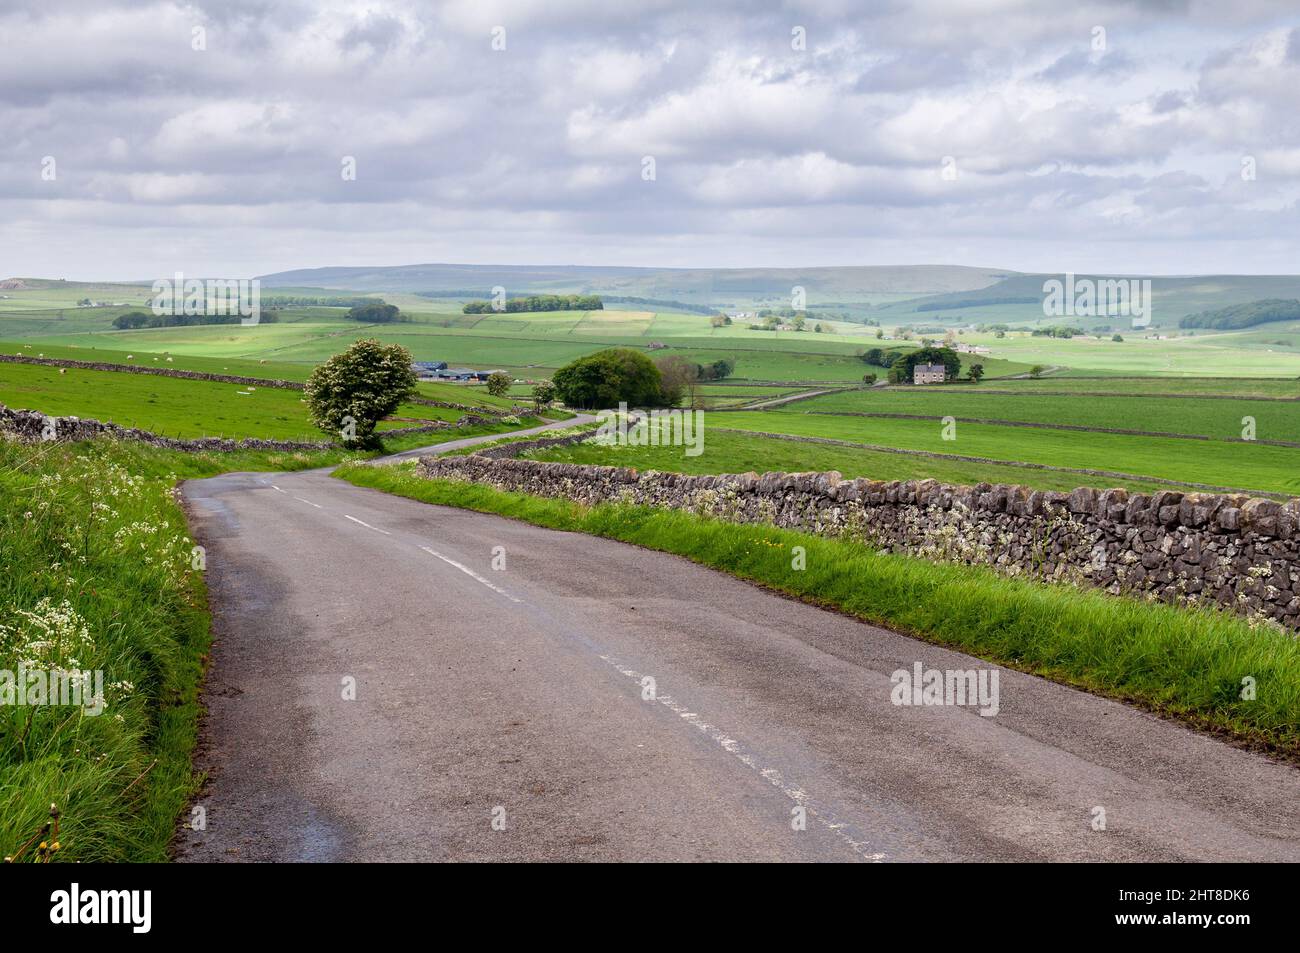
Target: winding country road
x: 504, y: 714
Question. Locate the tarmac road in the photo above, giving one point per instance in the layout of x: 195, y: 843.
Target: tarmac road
x: 504, y: 714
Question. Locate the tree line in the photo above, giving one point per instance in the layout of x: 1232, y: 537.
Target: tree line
x: 538, y: 303
x: 134, y: 320
x: 1244, y: 315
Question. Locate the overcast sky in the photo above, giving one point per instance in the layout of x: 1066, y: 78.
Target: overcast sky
x: 1111, y: 137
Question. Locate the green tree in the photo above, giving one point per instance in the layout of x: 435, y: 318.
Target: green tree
x: 975, y: 372
x: 498, y: 383
x: 1118, y: 338
x: 543, y: 395
x: 1037, y: 370
x: 132, y: 319
x: 868, y: 379
x: 374, y: 313
x: 351, y: 392
x: 677, y: 377
x: 603, y: 379
x: 718, y: 369
x: 930, y: 355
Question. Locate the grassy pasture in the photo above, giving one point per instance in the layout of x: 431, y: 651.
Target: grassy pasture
x: 172, y: 406
x: 519, y: 343
x: 1247, y: 466
x: 1275, y: 420
x: 1155, y: 386
x: 1227, y: 354
x: 740, y: 453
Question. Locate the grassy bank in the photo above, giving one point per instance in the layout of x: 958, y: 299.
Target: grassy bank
x: 1185, y: 663
x: 97, y: 576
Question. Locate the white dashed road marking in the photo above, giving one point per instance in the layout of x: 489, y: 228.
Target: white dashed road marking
x: 368, y: 526
x: 469, y: 572
x: 771, y: 775
x: 309, y: 502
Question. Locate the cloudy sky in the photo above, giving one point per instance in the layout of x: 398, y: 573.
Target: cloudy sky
x: 141, y: 138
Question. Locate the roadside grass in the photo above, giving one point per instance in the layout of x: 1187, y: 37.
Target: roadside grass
x: 97, y: 569
x: 1183, y: 663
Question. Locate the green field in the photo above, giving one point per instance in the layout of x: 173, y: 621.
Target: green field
x: 726, y: 452
x: 1158, y: 386
x: 1237, y: 465
x: 528, y: 345
x: 176, y: 407
x: 1084, y: 389
x: 1274, y: 420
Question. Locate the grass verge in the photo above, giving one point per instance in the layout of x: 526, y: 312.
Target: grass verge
x: 1188, y: 664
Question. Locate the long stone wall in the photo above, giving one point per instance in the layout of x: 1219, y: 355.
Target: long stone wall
x: 1232, y: 550
x: 144, y: 369
x: 34, y: 425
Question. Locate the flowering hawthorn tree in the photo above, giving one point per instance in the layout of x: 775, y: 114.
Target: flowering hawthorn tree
x: 350, y: 393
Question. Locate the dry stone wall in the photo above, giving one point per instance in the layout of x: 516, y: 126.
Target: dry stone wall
x: 1230, y: 550
x: 34, y: 425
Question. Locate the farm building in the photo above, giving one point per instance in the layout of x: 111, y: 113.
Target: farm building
x: 928, y: 374
x: 428, y: 368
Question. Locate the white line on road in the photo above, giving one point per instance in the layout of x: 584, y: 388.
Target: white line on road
x: 368, y: 526
x: 276, y: 488
x: 309, y: 502
x: 771, y: 775
x: 469, y: 572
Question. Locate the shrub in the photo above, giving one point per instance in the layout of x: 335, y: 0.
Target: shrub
x: 351, y: 392
x: 607, y: 377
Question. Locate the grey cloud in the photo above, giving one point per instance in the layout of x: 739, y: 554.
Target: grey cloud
x: 541, y: 145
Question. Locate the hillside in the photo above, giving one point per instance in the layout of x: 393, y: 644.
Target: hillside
x: 712, y: 285
x: 1017, y: 299
x: 1245, y: 315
